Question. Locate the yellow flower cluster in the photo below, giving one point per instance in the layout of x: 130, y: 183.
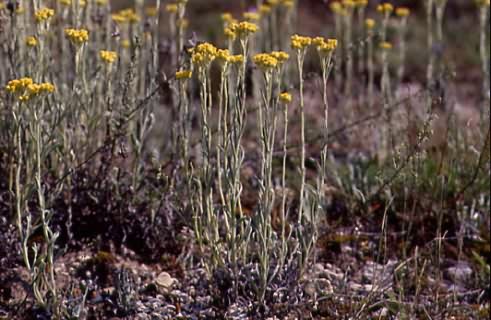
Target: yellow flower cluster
x: 171, y: 8
x: 151, y: 11
x: 385, y: 8
x: 273, y: 2
x: 236, y: 59
x: 229, y: 33
x: 20, y: 10
x: 244, y: 29
x: 369, y: 23
x: 402, y: 12
x: 285, y: 97
x: 77, y: 36
x: 265, y: 61
x: 44, y: 14
x: 251, y: 16
x: 227, y: 18
x: 82, y: 3
x: 482, y: 3
x: 280, y: 56
x: 101, y: 2
x: 184, y: 74
x: 203, y: 54
x: 361, y: 3
x: 31, y: 41
x: 264, y: 9
x: 125, y: 43
x: 125, y: 15
x: 223, y: 56
x: 300, y: 42
x: 287, y: 3
x: 349, y: 4
x: 108, y: 56
x: 325, y: 46
x: 336, y: 7
x: 26, y: 88
x: 385, y: 45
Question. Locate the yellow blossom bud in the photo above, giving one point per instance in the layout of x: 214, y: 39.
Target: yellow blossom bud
x: 280, y: 56
x: 385, y: 8
x: 402, y: 12
x: 244, y: 29
x: 300, y: 42
x: 285, y: 97
x: 229, y: 33
x: 31, y: 41
x: 251, y: 16
x: 385, y: 45
x: 184, y: 74
x: 171, y: 8
x: 336, y: 7
x: 43, y: 14
x: 369, y: 23
x: 108, y: 56
x: 265, y: 61
x: 77, y: 36
x: 236, y: 59
x: 287, y: 3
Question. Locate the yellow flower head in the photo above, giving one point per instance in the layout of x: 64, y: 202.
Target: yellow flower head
x: 251, y: 16
x: 273, y: 2
x: 182, y: 23
x: 336, y: 7
x: 126, y: 15
x: 203, y: 54
x: 369, y: 24
x: 317, y: 41
x: 285, y: 97
x: 402, y: 12
x: 20, y: 10
x: 125, y: 43
x: 361, y: 3
x: 385, y: 45
x: 82, y: 3
x: 44, y: 14
x: 236, y: 59
x: 184, y: 74
x: 325, y: 46
x: 26, y: 89
x: 280, y: 56
x: 77, y: 36
x: 151, y: 11
x: 229, y: 33
x: 108, y: 56
x: 101, y: 2
x: 17, y: 85
x: 385, y: 8
x: 227, y: 18
x: 31, y: 41
x: 223, y: 56
x: 300, y: 42
x: 482, y: 3
x: 171, y: 8
x: 287, y: 3
x: 244, y: 29
x: 265, y: 61
x: 348, y: 4
x: 264, y: 9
